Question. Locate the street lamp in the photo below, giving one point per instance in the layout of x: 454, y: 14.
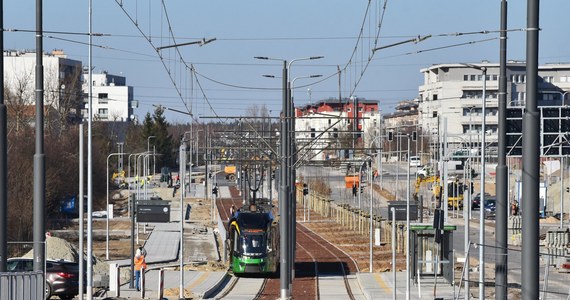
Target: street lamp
x: 482, y: 193
x: 286, y: 190
x: 107, y: 207
x: 148, y: 148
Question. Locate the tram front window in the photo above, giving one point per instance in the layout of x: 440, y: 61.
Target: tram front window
x: 253, y: 244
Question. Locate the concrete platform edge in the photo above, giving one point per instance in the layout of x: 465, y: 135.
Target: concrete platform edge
x: 209, y: 292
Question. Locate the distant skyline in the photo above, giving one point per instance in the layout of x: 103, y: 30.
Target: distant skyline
x: 231, y: 79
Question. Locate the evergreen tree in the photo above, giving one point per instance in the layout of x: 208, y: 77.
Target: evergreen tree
x: 158, y: 127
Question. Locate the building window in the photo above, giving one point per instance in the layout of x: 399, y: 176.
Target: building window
x: 495, y: 77
x: 548, y: 79
x: 564, y: 78
x: 103, y: 98
x: 330, y: 121
x: 473, y: 77
x: 465, y: 77
x: 312, y: 132
x: 435, y: 97
x: 103, y: 111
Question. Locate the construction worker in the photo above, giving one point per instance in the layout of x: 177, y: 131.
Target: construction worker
x: 140, y: 265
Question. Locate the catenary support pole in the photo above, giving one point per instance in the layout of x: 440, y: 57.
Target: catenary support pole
x: 501, y: 188
x: 394, y: 252
x: 482, y: 197
x: 3, y: 159
x: 408, y: 226
x: 90, y: 160
x: 531, y: 158
x: 39, y: 156
x: 81, y: 201
x: 182, y: 176
x: 283, y: 194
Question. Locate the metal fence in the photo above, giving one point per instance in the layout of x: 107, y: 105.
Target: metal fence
x: 21, y: 285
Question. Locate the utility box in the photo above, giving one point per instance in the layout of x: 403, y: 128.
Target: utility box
x: 153, y: 211
x: 400, y: 208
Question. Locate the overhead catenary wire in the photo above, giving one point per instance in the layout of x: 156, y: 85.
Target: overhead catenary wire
x: 168, y: 70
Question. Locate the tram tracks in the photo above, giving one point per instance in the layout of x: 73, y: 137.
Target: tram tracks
x: 327, y: 265
x: 321, y: 268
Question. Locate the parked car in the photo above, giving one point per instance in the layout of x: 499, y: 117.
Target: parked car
x: 62, y: 277
x: 424, y: 172
x: 415, y: 161
x: 476, y: 201
x: 490, y: 207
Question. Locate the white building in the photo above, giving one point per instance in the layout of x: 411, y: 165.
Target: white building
x: 330, y: 128
x: 62, y: 79
x: 112, y: 98
x: 452, y: 94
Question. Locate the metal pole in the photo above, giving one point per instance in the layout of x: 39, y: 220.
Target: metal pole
x: 283, y: 205
x: 408, y: 227
x: 107, y: 207
x: 182, y: 170
x: 531, y: 154
x: 132, y: 271
x: 561, y: 192
x: 81, y: 211
x: 371, y: 221
x: 444, y: 171
x: 3, y: 159
x: 466, y: 212
x: 394, y: 251
x: 359, y: 183
x: 90, y: 161
x: 107, y: 215
x: 502, y: 187
x: 39, y: 156
x: 148, y: 151
x: 482, y: 203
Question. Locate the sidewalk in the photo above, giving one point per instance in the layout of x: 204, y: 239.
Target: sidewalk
x: 381, y: 286
x: 163, y: 247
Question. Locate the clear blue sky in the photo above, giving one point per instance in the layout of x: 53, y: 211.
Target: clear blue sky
x: 280, y: 29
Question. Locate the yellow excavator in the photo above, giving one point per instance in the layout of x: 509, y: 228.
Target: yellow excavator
x: 455, y: 190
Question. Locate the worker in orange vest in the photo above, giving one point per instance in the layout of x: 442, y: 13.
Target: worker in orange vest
x: 140, y: 265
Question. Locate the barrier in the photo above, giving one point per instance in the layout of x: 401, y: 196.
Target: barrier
x: 353, y: 218
x: 142, y: 282
x: 160, y: 283
x: 22, y: 285
x: 115, y: 279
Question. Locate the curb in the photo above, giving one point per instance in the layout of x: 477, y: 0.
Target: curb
x: 212, y: 290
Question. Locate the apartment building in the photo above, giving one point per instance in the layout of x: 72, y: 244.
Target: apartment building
x: 62, y: 80
x: 65, y: 87
x: 112, y: 98
x: 451, y: 98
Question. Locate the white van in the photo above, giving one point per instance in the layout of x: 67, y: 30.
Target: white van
x: 415, y: 161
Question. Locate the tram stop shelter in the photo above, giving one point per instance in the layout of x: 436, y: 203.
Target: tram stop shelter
x: 431, y: 259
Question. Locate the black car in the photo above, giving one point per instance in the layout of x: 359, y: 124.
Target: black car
x: 62, y: 277
x: 476, y: 201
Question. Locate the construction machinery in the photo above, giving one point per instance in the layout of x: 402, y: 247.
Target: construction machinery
x: 455, y: 190
x: 230, y: 172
